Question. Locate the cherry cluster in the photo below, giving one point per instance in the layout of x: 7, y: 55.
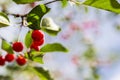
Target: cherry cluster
x: 37, y: 40
x: 10, y: 57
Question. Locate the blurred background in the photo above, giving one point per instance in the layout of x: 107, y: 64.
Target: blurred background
x: 91, y: 35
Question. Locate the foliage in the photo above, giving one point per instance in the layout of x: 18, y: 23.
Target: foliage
x: 5, y: 78
x: 4, y: 20
x: 24, y: 1
x: 35, y: 21
x: 44, y: 74
x: 6, y: 46
x: 35, y: 15
x: 110, y: 5
x: 28, y: 39
x: 50, y: 27
x: 53, y: 47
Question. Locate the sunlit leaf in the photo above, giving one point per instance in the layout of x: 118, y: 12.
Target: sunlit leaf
x: 7, y: 47
x: 64, y: 3
x: 4, y: 21
x: 50, y: 27
x: 37, y: 56
x: 24, y: 1
x: 35, y: 15
x: 43, y: 74
x: 28, y: 39
x: 51, y: 32
x: 53, y: 47
x: 110, y: 5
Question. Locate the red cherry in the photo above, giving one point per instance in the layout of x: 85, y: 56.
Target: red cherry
x: 9, y: 57
x: 21, y: 60
x: 37, y: 35
x: 2, y: 61
x: 17, y: 46
x: 39, y: 43
x: 35, y: 47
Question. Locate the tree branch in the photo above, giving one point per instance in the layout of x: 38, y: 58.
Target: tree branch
x: 52, y: 2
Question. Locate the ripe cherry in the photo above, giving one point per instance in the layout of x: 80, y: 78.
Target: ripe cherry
x: 21, y: 60
x: 37, y: 35
x: 39, y: 43
x: 34, y: 46
x: 9, y: 57
x: 17, y: 46
x: 2, y: 61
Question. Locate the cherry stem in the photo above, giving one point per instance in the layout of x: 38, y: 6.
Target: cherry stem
x: 29, y: 56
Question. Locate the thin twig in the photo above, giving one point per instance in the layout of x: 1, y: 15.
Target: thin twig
x: 52, y: 2
x: 29, y: 55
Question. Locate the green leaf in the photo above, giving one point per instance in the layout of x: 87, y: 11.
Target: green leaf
x: 28, y: 39
x: 5, y: 77
x: 54, y: 47
x: 42, y: 73
x: 4, y: 21
x: 37, y: 56
x: 110, y: 5
x: 35, y: 16
x: 14, y: 68
x: 7, y: 47
x: 90, y: 53
x: 50, y: 27
x: 51, y: 32
x: 64, y: 3
x: 24, y: 1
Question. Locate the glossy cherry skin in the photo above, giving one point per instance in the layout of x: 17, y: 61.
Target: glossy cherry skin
x: 2, y: 61
x: 37, y: 35
x: 17, y: 46
x: 21, y: 60
x: 9, y: 57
